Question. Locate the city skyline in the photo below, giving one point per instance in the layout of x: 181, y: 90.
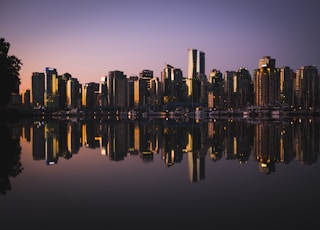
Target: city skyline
x: 90, y: 39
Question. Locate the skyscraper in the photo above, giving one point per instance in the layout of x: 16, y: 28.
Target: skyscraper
x: 266, y: 82
x: 287, y: 76
x: 215, y: 88
x: 196, y: 75
x: 146, y: 75
x: 307, y: 87
x: 52, y: 83
x: 172, y: 84
x: 196, y: 63
x: 38, y: 89
x: 117, y: 89
x: 73, y: 93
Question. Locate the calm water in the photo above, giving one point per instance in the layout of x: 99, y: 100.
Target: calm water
x: 160, y: 174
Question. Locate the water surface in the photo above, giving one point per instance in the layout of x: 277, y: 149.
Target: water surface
x: 160, y: 174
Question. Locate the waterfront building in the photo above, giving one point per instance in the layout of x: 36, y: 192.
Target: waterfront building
x: 26, y: 97
x: 102, y: 97
x: 244, y: 89
x: 145, y: 78
x: 172, y: 85
x: 73, y: 93
x: 62, y: 90
x: 230, y: 89
x: 155, y: 94
x: 215, y: 89
x: 89, y: 92
x: 266, y: 83
x: 131, y: 91
x: 146, y: 75
x: 307, y: 88
x: 196, y: 80
x: 38, y: 89
x: 52, y: 94
x: 117, y: 89
x: 287, y: 77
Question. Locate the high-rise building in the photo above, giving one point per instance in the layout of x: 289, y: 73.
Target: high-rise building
x: 215, y: 89
x: 196, y: 76
x: 26, y: 98
x: 307, y: 88
x: 155, y: 94
x: 172, y: 84
x: 196, y: 63
x: 117, y: 89
x: 244, y: 91
x: 132, y: 81
x: 38, y: 89
x: 146, y: 75
x: 230, y: 89
x: 266, y: 83
x: 287, y: 77
x: 62, y: 90
x: 73, y: 93
x: 238, y: 88
x: 51, y: 81
x: 89, y: 99
x: 52, y: 84
x: 103, y: 93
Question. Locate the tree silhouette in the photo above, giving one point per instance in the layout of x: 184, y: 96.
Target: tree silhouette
x: 9, y: 73
x: 10, y: 165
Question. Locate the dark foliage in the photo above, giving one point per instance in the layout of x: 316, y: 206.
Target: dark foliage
x: 10, y: 165
x: 10, y: 66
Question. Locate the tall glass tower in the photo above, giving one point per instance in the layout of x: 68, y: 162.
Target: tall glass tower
x: 196, y: 74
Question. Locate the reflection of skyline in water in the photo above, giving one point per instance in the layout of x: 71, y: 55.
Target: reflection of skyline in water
x: 267, y: 143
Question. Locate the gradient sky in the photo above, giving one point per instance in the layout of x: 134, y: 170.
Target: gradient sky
x: 90, y: 38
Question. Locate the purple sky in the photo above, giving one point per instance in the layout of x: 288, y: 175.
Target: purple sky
x: 90, y: 38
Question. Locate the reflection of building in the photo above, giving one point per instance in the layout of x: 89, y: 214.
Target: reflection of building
x: 117, y: 145
x: 133, y: 136
x: 52, y: 143
x: 196, y: 164
x: 143, y: 138
x: 38, y: 141
x: 196, y: 156
x: 306, y: 141
x: 215, y: 145
x: 222, y: 139
x: 267, y: 146
x: 73, y: 137
x: 230, y: 141
x: 175, y: 142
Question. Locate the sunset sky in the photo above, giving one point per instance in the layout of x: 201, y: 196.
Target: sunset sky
x: 90, y: 38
